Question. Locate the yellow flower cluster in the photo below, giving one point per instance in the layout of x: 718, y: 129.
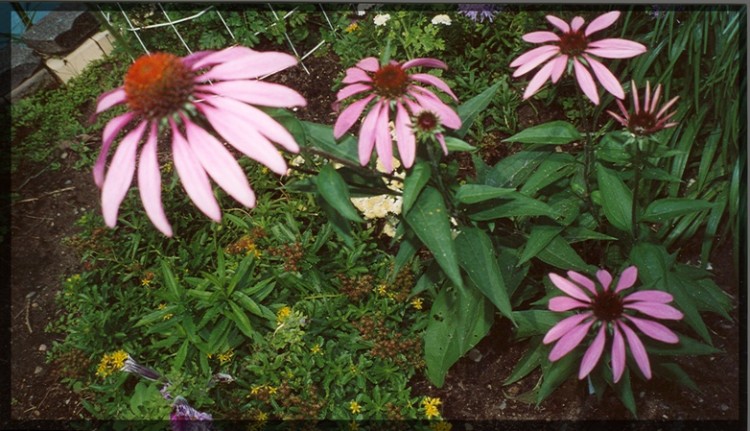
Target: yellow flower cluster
x: 111, y: 362
x: 430, y: 406
x: 351, y: 27
x: 354, y: 407
x: 282, y: 314
x: 226, y: 356
x: 255, y: 390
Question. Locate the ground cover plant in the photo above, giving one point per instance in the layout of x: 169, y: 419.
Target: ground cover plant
x: 343, y: 265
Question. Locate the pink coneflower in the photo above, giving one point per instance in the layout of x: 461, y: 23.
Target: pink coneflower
x: 181, y: 96
x: 645, y: 120
x: 186, y: 418
x: 607, y: 311
x: 573, y: 46
x: 391, y: 87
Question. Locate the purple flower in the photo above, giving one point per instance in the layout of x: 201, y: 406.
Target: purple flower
x: 168, y: 94
x: 645, y: 120
x: 391, y: 88
x: 608, y: 312
x: 186, y: 418
x: 479, y: 12
x: 573, y: 46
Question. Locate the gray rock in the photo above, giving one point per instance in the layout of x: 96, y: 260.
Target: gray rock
x: 40, y: 80
x: 23, y: 63
x: 62, y: 31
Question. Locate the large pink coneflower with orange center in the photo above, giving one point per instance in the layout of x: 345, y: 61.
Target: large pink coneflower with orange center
x: 574, y: 46
x: 190, y: 99
x: 391, y: 88
x: 607, y: 312
x: 646, y: 120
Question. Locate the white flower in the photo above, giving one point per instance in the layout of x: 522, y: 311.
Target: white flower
x: 381, y: 19
x: 441, y: 19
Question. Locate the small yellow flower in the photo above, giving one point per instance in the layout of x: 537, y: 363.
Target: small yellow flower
x: 209, y: 355
x: 167, y: 167
x: 226, y: 356
x: 352, y: 27
x: 382, y: 290
x: 272, y: 390
x: 111, y: 362
x: 118, y: 359
x: 354, y: 407
x: 146, y: 280
x: 255, y: 390
x: 315, y: 350
x: 417, y: 303
x: 167, y: 316
x: 261, y: 416
x: 282, y: 314
x: 430, y: 406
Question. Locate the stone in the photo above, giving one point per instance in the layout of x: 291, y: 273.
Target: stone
x: 73, y: 64
x: 42, y: 347
x: 62, y: 30
x: 23, y: 63
x: 39, y: 81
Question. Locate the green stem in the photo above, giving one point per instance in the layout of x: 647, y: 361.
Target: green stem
x: 587, y: 154
x: 637, y: 164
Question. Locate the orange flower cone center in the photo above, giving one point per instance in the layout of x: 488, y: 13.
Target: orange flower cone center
x: 158, y: 85
x: 390, y: 81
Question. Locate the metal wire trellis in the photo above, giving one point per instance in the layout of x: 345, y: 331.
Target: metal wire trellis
x: 173, y: 23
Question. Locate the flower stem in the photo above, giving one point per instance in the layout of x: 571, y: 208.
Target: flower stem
x: 637, y: 180
x: 587, y: 153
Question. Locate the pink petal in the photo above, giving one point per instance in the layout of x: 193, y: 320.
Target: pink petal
x: 190, y: 60
x: 349, y: 116
x: 657, y: 95
x: 257, y: 93
x: 606, y: 78
x: 566, y: 303
x: 120, y: 175
x: 434, y: 81
x: 570, y: 341
x: 649, y: 296
x: 249, y: 66
x: 593, y: 353
x: 383, y: 143
x: 430, y: 102
x: 647, y: 102
x: 149, y: 183
x: 585, y: 81
x: 569, y: 287
x: 367, y: 133
x: 405, y: 139
x: 424, y: 62
x: 624, y: 111
x: 564, y: 326
x: 532, y: 64
x: 619, y: 119
x: 219, y: 163
x: 557, y: 22
x: 193, y: 177
x: 583, y: 281
x: 539, y: 79
x: 636, y: 102
x: 559, y: 67
x: 667, y: 106
x: 655, y: 330
x: 615, y: 48
x: 541, y: 37
x: 351, y: 90
x: 637, y: 349
x: 601, y: 22
x: 604, y: 277
x: 441, y: 139
x: 533, y: 54
x: 242, y: 135
x: 618, y: 354
x: 110, y: 99
x: 209, y: 58
x: 659, y: 311
x: 355, y: 74
x: 627, y: 278
x: 369, y: 64
x: 108, y: 136
x: 576, y: 23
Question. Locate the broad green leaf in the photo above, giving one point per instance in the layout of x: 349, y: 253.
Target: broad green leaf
x: 555, y: 167
x: 477, y: 257
x: 429, y: 219
x: 290, y: 123
x: 474, y: 193
x: 414, y: 182
x: 516, y: 205
x: 675, y: 373
x: 686, y: 346
x: 334, y: 190
x: 535, y: 322
x: 624, y: 391
x: 174, y: 288
x: 539, y: 238
x: 663, y: 210
x: 407, y: 250
x: 339, y: 224
x: 320, y: 138
x: 241, y: 319
x: 181, y: 355
x: 455, y: 144
x: 513, y: 170
x: 555, y: 373
x: 470, y: 109
x: 560, y: 254
x: 617, y: 199
x: 248, y: 303
x: 552, y: 133
x: 576, y: 234
x: 530, y: 361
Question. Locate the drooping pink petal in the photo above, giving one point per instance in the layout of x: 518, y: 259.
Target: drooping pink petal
x: 110, y: 99
x: 557, y: 22
x: 218, y: 162
x: 349, y: 116
x: 424, y: 62
x: 367, y: 133
x: 583, y: 281
x: 564, y: 326
x: 351, y: 90
x: 566, y: 303
x: 615, y: 48
x: 354, y: 75
x: 601, y: 22
x: 558, y: 67
x: 532, y: 64
x: 405, y: 139
x: 193, y: 177
x: 604, y: 277
x: 149, y: 183
x: 593, y: 353
x: 538, y: 80
x: 619, y: 119
x: 257, y: 93
x: 624, y: 111
x: 441, y: 139
x: 209, y: 58
x: 540, y: 37
x: 383, y: 143
x: 370, y: 64
x: 655, y: 330
x: 637, y: 349
x: 570, y: 341
x: 120, y: 175
x: 576, y: 23
x: 627, y: 279
x: 657, y: 296
x: 531, y: 55
x: 430, y: 102
x: 434, y: 81
x: 618, y: 354
x: 606, y: 78
x: 249, y: 67
x: 659, y: 311
x: 569, y: 287
x: 111, y: 130
x: 585, y: 81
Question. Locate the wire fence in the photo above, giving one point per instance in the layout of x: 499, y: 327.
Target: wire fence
x: 160, y: 26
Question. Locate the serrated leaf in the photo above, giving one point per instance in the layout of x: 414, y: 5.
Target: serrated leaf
x: 334, y: 190
x: 414, y: 182
x: 616, y: 197
x: 663, y: 210
x: 552, y: 133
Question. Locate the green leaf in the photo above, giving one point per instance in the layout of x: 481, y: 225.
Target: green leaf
x: 477, y: 257
x: 179, y: 358
x: 535, y: 322
x: 339, y: 224
x: 512, y: 170
x: 576, y: 234
x: 663, y: 210
x: 407, y: 250
x: 686, y: 346
x: 560, y: 254
x: 429, y: 219
x: 555, y: 167
x: 334, y: 190
x: 675, y: 373
x: 617, y: 199
x: 474, y: 193
x: 555, y: 373
x: 170, y: 282
x: 455, y: 144
x: 539, y: 238
x: 514, y: 205
x: 624, y: 391
x: 552, y: 133
x: 241, y: 319
x: 469, y: 111
x: 248, y: 304
x: 414, y: 182
x: 530, y: 361
x: 321, y: 139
